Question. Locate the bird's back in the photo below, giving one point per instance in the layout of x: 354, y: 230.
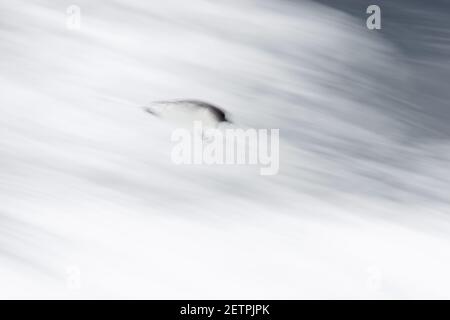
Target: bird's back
x: 185, y: 112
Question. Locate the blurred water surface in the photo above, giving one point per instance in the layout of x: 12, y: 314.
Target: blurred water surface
x: 86, y: 181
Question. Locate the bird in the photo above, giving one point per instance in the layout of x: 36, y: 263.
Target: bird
x: 185, y: 112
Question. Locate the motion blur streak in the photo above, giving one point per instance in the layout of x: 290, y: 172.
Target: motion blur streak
x: 92, y: 207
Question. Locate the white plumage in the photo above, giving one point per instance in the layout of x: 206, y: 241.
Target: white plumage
x: 185, y: 112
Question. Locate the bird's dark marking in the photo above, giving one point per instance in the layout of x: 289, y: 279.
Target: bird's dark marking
x: 218, y: 113
x: 148, y: 110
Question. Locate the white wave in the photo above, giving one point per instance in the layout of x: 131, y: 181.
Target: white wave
x: 87, y: 186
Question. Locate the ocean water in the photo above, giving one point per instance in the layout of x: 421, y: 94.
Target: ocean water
x: 91, y: 205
